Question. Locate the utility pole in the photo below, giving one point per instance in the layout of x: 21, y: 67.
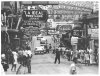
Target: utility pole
x: 15, y: 7
x: 86, y: 30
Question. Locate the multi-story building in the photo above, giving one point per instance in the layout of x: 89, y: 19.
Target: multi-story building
x: 9, y: 33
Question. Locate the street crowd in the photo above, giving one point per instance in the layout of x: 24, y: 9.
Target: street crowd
x: 23, y: 57
x: 81, y: 56
x: 86, y: 57
x: 20, y: 56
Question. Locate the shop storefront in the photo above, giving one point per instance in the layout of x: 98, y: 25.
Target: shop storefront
x: 94, y: 41
x: 93, y: 31
x: 78, y: 33
x: 65, y: 35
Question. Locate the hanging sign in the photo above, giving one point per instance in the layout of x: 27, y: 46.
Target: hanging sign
x: 74, y: 40
x: 35, y: 15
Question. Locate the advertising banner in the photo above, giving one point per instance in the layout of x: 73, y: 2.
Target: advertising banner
x: 94, y: 33
x: 74, y: 40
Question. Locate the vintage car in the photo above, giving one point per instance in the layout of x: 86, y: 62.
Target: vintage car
x: 39, y: 50
x: 39, y: 37
x: 43, y: 41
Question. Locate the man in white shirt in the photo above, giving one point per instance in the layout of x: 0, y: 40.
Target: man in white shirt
x: 29, y: 53
x: 29, y: 56
x: 15, y: 56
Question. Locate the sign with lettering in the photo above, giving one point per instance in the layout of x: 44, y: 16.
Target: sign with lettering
x: 29, y: 22
x: 35, y: 15
x: 74, y: 40
x: 78, y: 33
x: 31, y: 31
x: 94, y: 33
x: 65, y: 27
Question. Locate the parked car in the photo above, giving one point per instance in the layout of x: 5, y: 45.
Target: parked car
x: 39, y: 38
x: 39, y: 50
x: 43, y: 41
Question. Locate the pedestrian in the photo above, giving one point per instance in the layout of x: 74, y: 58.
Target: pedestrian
x: 54, y: 50
x: 29, y: 60
x: 79, y: 54
x: 4, y: 62
x: 20, y: 56
x: 71, y: 55
x: 47, y: 51
x: 95, y: 54
x: 87, y: 58
x: 50, y: 47
x: 25, y: 57
x: 9, y: 55
x: 15, y: 57
x: 73, y: 69
x: 68, y: 54
x: 75, y: 57
x: 61, y: 51
x: 97, y: 57
x: 29, y: 53
x: 45, y: 48
x: 2, y: 70
x: 91, y: 55
x: 82, y: 56
x: 57, y: 57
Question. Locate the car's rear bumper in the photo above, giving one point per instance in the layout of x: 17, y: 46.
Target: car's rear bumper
x: 39, y: 52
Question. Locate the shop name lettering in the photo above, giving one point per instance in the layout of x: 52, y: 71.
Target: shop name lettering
x: 77, y: 32
x: 31, y: 13
x: 30, y: 23
x: 31, y: 30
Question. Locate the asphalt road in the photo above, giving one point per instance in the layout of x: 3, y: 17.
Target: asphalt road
x: 44, y: 64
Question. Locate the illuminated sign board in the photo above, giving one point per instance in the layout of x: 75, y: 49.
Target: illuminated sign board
x: 35, y: 15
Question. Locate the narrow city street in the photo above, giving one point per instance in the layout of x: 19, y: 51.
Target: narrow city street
x: 34, y: 34
x: 44, y: 64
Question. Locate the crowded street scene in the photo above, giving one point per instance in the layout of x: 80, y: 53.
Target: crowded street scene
x: 49, y: 37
